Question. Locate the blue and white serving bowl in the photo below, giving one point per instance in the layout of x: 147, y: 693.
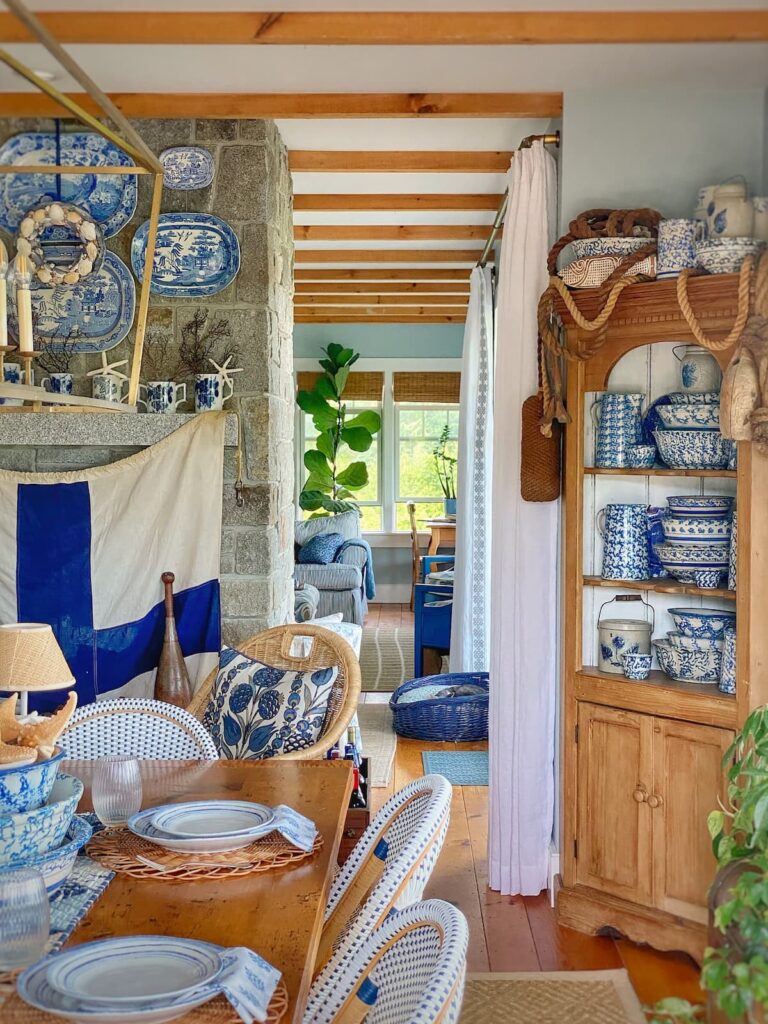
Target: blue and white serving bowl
x: 584, y: 247
x: 694, y: 643
x: 636, y: 666
x: 693, y: 449
x: 641, y: 456
x: 56, y: 865
x: 688, y: 666
x: 703, y: 623
x: 714, y: 506
x: 25, y: 787
x: 725, y: 255
x: 692, y: 416
x: 696, y: 530
x: 29, y: 833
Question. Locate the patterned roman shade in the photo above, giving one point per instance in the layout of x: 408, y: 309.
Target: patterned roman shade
x: 361, y: 386
x: 441, y: 388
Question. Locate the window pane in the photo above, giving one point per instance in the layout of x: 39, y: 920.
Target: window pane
x: 419, y: 433
x: 370, y: 518
x: 424, y: 510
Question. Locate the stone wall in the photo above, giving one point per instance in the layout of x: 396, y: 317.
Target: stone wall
x: 251, y: 191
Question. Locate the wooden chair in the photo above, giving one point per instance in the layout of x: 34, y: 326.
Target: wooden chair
x: 420, y: 563
x: 327, y: 650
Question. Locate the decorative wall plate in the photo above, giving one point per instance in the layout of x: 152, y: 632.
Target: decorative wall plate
x: 196, y: 254
x: 187, y: 167
x: 110, y: 199
x: 98, y: 311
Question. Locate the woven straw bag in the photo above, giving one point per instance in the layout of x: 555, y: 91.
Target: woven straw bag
x: 540, y: 458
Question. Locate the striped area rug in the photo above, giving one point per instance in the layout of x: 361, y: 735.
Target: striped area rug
x: 386, y: 657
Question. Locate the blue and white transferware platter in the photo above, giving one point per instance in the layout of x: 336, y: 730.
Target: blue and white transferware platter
x: 196, y: 254
x: 133, y: 970
x: 141, y: 825
x: 187, y: 167
x: 96, y: 314
x: 109, y: 198
x: 212, y: 818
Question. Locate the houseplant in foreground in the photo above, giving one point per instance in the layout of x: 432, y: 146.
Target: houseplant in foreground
x: 445, y: 465
x: 332, y: 481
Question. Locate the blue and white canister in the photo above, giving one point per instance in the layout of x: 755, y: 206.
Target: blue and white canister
x: 617, y: 637
x: 210, y: 394
x: 727, y: 682
x: 163, y: 396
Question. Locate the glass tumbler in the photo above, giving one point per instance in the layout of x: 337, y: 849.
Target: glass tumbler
x: 25, y: 919
x: 116, y: 791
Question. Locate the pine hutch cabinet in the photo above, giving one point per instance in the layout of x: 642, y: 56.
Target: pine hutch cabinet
x: 641, y: 761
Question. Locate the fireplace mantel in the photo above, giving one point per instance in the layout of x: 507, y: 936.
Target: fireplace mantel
x: 100, y: 429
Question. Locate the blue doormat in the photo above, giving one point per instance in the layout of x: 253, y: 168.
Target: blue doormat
x: 462, y: 768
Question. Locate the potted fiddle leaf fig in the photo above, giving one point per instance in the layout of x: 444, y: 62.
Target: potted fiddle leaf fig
x: 332, y: 480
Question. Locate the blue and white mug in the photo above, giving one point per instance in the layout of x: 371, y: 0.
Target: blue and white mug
x: 11, y: 375
x: 209, y: 392
x: 163, y: 396
x: 59, y: 383
x: 108, y: 388
x: 677, y: 245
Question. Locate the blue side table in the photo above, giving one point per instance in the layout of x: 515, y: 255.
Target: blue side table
x: 433, y: 606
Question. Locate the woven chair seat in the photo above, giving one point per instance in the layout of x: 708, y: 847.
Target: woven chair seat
x: 274, y: 647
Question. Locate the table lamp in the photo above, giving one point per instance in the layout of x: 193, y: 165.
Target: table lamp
x: 31, y: 659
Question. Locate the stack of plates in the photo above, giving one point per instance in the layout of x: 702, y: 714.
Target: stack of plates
x: 204, y: 826
x: 139, y: 978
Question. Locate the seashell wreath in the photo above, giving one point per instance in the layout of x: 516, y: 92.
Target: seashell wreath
x: 60, y: 215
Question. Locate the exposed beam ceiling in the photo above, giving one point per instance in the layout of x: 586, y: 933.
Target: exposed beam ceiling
x: 313, y: 203
x: 445, y: 161
x: 303, y: 302
x: 396, y: 28
x: 335, y: 289
x: 388, y: 232
x: 379, y: 274
x: 387, y: 255
x: 378, y: 318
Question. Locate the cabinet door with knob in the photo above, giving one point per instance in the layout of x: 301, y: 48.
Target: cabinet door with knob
x: 613, y: 848
x: 688, y: 778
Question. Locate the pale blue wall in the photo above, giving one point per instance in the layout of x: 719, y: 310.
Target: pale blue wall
x: 383, y: 341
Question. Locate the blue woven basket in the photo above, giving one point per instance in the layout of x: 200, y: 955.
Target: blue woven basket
x: 443, y: 718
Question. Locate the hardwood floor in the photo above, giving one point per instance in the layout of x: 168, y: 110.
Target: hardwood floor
x: 514, y: 933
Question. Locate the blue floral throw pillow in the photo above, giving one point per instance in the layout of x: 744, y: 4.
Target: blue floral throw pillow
x: 256, y: 711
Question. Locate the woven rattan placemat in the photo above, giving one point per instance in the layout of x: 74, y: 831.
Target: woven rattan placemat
x: 218, y: 1011
x: 124, y: 852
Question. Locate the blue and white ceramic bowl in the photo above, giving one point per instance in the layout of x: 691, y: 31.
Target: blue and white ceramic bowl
x: 636, y: 666
x: 688, y: 666
x: 26, y: 787
x: 706, y: 623
x: 725, y: 255
x: 696, y: 530
x: 583, y: 247
x: 693, y: 397
x: 693, y: 643
x: 708, y: 555
x: 641, y: 456
x: 693, y: 416
x: 714, y: 506
x: 56, y: 865
x: 30, y: 833
x: 693, y: 449
x: 708, y: 579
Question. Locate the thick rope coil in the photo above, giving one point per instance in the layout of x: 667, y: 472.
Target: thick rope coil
x: 745, y: 279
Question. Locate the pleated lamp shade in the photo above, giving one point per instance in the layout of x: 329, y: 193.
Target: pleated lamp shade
x: 31, y: 659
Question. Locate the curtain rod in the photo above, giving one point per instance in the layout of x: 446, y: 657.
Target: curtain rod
x: 548, y: 140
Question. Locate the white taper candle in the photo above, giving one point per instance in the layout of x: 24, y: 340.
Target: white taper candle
x: 24, y: 303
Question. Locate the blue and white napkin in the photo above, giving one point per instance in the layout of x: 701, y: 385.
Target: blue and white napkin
x: 297, y: 829
x: 248, y: 982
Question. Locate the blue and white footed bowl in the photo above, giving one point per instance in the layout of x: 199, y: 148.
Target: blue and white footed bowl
x: 727, y: 682
x: 693, y: 416
x: 705, y: 555
x: 26, y: 787
x: 31, y: 833
x: 636, y: 666
x: 725, y: 255
x: 702, y: 623
x: 55, y: 865
x: 693, y: 449
x: 694, y: 643
x: 688, y: 666
x: 713, y: 506
x: 696, y: 530
x: 708, y: 579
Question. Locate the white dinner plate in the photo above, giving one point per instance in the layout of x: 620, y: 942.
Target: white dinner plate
x: 33, y: 987
x: 141, y: 825
x: 133, y: 970
x: 211, y: 818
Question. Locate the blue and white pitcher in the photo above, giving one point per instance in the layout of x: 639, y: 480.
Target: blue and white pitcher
x: 618, y: 427
x: 624, y: 529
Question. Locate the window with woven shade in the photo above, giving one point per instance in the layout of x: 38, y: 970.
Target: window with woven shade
x: 362, y: 386
x: 431, y: 388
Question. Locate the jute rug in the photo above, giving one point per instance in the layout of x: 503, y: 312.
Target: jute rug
x: 379, y: 741
x: 559, y: 997
x: 386, y: 657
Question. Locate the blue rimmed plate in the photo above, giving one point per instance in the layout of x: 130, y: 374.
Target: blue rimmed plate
x: 215, y: 819
x: 109, y: 198
x: 196, y: 254
x: 141, y: 825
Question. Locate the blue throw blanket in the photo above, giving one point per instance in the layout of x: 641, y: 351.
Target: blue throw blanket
x: 368, y: 580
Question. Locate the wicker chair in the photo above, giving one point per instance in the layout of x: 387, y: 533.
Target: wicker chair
x: 414, y: 824
x: 133, y: 727
x: 417, y: 960
x: 273, y: 647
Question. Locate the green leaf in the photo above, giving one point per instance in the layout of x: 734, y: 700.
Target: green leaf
x: 324, y: 444
x: 345, y: 356
x: 368, y: 419
x: 715, y: 823
x: 340, y: 380
x: 332, y: 505
x: 311, y: 500
x: 325, y: 389
x: 333, y: 349
x: 328, y: 365
x: 354, y: 476
x: 318, y: 483
x: 317, y: 464
x: 322, y: 413
x: 358, y: 438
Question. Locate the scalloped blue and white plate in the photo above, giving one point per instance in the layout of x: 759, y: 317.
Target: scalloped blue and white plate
x: 213, y: 819
x: 196, y: 254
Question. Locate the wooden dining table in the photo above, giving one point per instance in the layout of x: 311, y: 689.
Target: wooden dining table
x: 442, y: 533
x: 278, y: 913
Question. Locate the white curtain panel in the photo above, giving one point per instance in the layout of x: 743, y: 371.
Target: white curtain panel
x: 524, y: 575
x: 471, y: 621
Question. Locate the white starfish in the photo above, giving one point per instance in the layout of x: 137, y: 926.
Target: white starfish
x: 110, y: 369
x: 225, y: 370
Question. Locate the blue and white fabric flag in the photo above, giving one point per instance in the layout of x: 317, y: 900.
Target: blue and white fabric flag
x: 84, y: 552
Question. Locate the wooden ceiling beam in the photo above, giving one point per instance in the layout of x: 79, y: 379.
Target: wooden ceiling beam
x: 395, y: 28
x: 303, y: 302
x: 389, y: 232
x: 382, y: 161
x: 375, y: 318
x: 402, y: 201
x: 387, y: 255
x: 298, y: 105
x: 379, y: 274
x: 389, y: 310
x: 338, y: 288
